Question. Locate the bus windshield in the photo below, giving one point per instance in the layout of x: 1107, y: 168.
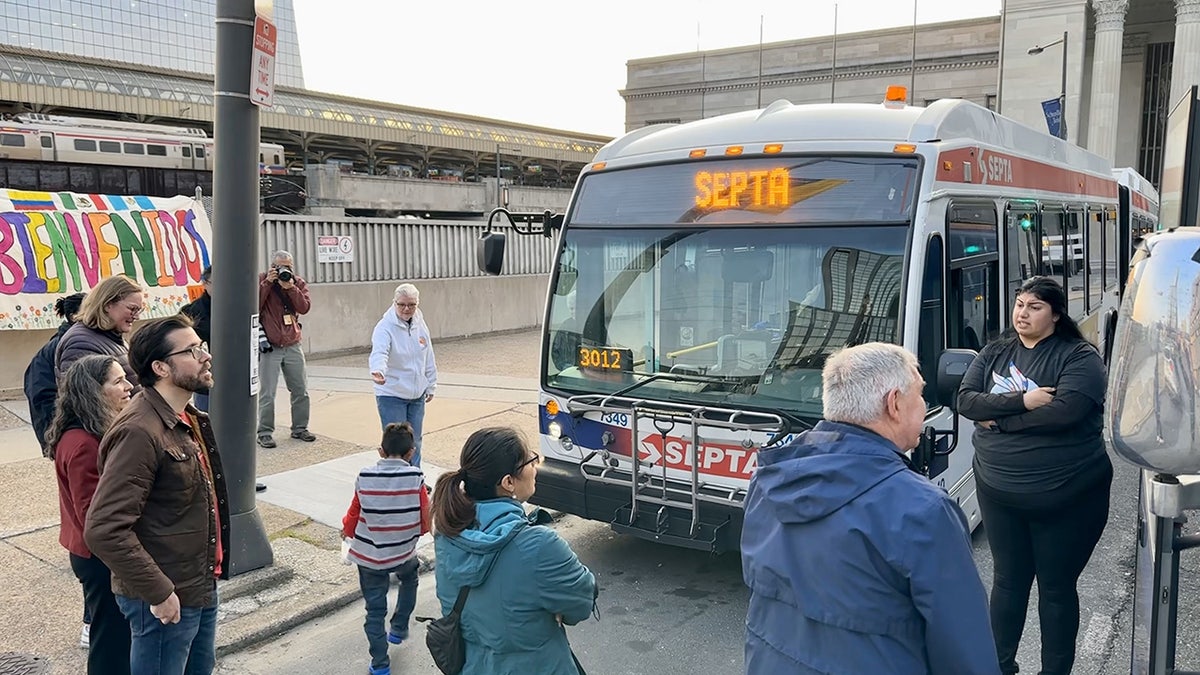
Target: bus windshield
x: 732, y: 316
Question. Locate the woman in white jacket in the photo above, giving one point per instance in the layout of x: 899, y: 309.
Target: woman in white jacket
x: 402, y: 364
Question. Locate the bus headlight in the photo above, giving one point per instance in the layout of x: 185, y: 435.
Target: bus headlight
x: 554, y: 429
x: 567, y: 443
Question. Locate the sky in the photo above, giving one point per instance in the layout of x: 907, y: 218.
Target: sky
x: 554, y: 63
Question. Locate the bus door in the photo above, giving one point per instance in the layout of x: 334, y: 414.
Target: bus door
x: 975, y: 304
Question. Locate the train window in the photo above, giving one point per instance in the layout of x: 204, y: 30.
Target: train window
x: 199, y: 152
x: 135, y: 149
x: 85, y: 145
x: 187, y: 151
x: 156, y: 150
x: 110, y: 146
x: 12, y: 140
x: 47, y: 141
x: 262, y: 158
x: 276, y: 162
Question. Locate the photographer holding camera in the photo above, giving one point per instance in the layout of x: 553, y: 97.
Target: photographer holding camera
x: 282, y: 300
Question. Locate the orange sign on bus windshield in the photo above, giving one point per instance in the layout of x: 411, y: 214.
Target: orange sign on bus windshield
x: 761, y: 188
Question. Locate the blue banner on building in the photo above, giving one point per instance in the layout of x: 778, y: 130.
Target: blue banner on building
x: 1054, y: 117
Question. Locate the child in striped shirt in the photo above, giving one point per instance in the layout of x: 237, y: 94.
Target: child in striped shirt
x: 389, y: 513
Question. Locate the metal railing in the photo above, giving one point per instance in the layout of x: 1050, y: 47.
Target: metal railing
x: 396, y: 250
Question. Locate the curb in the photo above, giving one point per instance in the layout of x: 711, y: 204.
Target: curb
x: 337, y: 600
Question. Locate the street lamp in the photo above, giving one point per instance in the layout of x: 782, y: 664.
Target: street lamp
x: 499, y: 201
x: 1062, y: 110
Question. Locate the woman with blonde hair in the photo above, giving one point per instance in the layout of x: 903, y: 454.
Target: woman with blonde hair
x: 402, y: 363
x: 93, y: 391
x: 104, y: 321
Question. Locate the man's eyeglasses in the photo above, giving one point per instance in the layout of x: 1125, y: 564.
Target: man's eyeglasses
x: 198, y: 352
x: 407, y: 305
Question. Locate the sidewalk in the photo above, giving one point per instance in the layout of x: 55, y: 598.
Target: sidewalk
x: 309, y: 487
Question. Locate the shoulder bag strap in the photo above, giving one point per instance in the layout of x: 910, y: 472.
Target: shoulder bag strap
x: 578, y: 665
x: 461, y: 601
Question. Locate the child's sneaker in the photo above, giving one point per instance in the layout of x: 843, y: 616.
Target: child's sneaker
x: 394, y: 639
x: 85, y: 636
x: 382, y: 670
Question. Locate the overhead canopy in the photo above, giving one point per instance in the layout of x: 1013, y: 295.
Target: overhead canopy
x: 37, y: 79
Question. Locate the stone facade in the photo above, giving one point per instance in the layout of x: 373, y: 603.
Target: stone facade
x: 954, y: 59
x: 986, y: 60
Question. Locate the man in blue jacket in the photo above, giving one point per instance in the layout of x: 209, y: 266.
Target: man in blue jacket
x: 855, y: 563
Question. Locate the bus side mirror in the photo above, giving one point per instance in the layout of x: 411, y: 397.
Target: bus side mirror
x: 489, y: 252
x: 952, y: 366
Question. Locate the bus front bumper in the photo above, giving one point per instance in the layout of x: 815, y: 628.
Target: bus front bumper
x: 562, y: 486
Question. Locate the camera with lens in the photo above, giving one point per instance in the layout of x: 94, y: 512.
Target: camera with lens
x: 284, y: 273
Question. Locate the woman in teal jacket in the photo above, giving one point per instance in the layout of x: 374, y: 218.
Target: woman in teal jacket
x: 526, y: 583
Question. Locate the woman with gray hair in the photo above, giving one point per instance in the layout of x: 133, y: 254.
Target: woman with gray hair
x: 402, y: 363
x: 93, y: 390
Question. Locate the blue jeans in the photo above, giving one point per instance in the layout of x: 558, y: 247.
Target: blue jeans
x: 374, y: 584
x: 394, y: 409
x: 185, y: 648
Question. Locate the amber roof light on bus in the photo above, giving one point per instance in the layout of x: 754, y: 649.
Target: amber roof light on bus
x: 773, y: 149
x: 599, y: 165
x: 904, y: 148
x: 734, y: 150
x: 697, y: 153
x: 896, y: 94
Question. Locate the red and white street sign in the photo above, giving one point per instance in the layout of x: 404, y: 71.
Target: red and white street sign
x: 262, y: 63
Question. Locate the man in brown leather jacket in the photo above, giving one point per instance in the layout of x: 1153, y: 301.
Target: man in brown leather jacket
x: 159, y: 518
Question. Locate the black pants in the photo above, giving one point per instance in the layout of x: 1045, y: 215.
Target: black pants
x: 1050, y: 537
x: 109, y: 650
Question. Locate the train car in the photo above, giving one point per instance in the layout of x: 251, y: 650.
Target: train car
x: 51, y: 152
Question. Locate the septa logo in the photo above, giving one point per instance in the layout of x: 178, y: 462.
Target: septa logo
x: 730, y: 460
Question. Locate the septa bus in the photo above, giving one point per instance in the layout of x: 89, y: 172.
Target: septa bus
x: 705, y: 271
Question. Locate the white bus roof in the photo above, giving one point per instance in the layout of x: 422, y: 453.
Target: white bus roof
x: 1135, y: 181
x: 946, y: 121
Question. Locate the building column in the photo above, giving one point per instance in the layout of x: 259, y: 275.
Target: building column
x: 1185, y: 69
x: 1106, y: 76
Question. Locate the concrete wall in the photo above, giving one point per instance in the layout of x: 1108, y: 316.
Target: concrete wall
x: 327, y: 188
x: 344, y: 314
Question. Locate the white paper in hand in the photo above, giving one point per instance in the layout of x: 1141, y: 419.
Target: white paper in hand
x: 346, y: 552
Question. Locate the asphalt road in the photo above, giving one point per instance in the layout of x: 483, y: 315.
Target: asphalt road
x: 673, y: 611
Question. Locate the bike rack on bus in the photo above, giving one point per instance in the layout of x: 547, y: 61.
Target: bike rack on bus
x: 663, y: 416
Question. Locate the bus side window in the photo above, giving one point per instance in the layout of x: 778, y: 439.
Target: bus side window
x: 1111, y: 273
x: 1021, y: 245
x: 931, y: 335
x: 1095, y: 247
x: 1076, y: 274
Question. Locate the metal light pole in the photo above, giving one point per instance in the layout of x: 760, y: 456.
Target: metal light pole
x: 498, y: 204
x: 235, y: 246
x: 1038, y: 49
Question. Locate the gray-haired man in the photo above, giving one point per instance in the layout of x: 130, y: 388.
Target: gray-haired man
x: 282, y: 300
x: 855, y: 563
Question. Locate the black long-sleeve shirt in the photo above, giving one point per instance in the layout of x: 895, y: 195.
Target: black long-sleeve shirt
x: 1030, y: 451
